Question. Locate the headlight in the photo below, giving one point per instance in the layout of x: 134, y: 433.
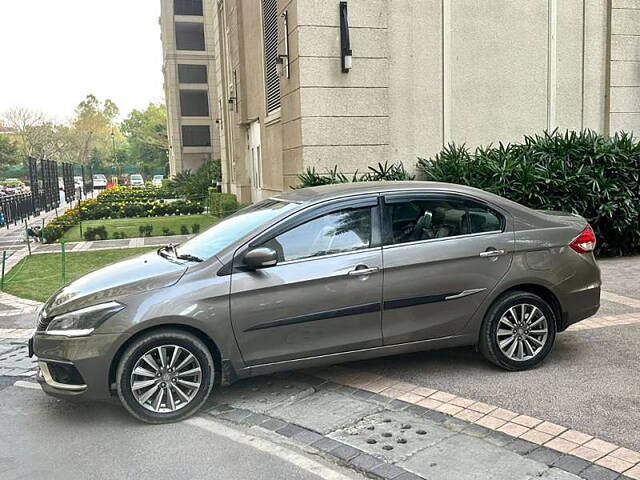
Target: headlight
x: 84, y: 321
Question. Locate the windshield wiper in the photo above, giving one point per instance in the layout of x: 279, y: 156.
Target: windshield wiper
x: 191, y: 258
x: 171, y: 248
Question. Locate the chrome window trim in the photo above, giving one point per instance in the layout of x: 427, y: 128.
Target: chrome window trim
x: 432, y: 240
x: 339, y: 254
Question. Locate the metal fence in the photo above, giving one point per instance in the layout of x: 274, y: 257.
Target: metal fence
x: 15, y: 208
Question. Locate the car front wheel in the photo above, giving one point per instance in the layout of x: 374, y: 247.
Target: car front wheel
x: 165, y: 376
x: 518, y: 331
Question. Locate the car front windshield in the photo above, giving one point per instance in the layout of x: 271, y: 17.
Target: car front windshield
x: 233, y: 228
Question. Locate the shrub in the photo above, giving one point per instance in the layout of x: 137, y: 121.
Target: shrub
x: 195, y: 186
x: 195, y: 228
x: 578, y: 172
x: 386, y: 171
x: 222, y: 204
x: 119, y: 235
x: 167, y: 231
x: 145, y: 230
x: 184, y: 230
x: 51, y: 233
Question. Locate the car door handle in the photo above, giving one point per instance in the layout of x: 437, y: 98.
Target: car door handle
x: 363, y: 271
x: 492, y: 253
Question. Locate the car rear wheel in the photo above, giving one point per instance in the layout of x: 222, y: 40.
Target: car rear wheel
x: 518, y: 331
x: 165, y: 376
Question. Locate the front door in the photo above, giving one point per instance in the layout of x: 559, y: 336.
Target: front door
x: 255, y: 154
x: 323, y: 296
x: 442, y: 255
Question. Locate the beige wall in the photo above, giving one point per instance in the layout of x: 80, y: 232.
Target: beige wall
x: 425, y: 73
x: 625, y: 65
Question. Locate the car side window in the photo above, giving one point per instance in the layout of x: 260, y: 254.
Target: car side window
x: 432, y: 218
x: 336, y: 232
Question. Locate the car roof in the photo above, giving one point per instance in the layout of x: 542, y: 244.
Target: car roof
x: 335, y: 191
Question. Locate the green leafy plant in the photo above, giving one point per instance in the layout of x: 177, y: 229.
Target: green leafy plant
x: 579, y: 172
x: 222, y: 204
x: 386, y: 171
x: 195, y: 228
x: 184, y: 230
x: 167, y: 231
x: 145, y: 230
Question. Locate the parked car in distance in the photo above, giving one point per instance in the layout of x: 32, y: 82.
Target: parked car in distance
x: 99, y: 181
x: 136, y: 180
x: 78, y: 181
x: 157, y: 180
x: 317, y: 276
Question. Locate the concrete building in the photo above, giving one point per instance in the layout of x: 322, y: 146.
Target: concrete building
x: 189, y: 82
x: 422, y: 73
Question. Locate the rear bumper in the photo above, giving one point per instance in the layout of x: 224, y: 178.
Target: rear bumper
x: 580, y: 305
x: 75, y: 368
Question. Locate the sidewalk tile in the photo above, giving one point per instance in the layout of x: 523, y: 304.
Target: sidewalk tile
x: 587, y: 453
x: 614, y: 463
x: 536, y: 436
x: 601, y: 445
x: 551, y: 428
x: 627, y: 455
x: 429, y: 403
x: 411, y: 397
x: 468, y: 415
x: 482, y: 407
x: 513, y: 429
x: 504, y: 414
x: 526, y: 421
x: 491, y: 422
x: 462, y: 402
x: 425, y: 392
x: 561, y: 445
x: 596, y: 472
x: 442, y: 396
x: 576, y: 437
x: 571, y: 464
x: 633, y: 473
x: 449, y: 408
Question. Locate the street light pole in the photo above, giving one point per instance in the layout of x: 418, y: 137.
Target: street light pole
x: 115, y: 160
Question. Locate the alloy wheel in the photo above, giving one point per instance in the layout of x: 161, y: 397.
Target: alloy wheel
x: 522, y: 332
x: 166, y: 378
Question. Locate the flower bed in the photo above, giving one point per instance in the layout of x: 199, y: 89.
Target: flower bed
x: 119, y: 202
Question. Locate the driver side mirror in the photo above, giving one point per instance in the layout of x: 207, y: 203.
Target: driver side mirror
x: 260, y: 258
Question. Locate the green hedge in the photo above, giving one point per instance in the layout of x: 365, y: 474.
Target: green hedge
x: 222, y: 204
x: 579, y: 172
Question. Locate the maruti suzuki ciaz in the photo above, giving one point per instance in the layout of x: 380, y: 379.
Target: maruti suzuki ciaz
x: 318, y: 276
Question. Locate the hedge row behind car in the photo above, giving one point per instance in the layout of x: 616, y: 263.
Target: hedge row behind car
x: 578, y: 172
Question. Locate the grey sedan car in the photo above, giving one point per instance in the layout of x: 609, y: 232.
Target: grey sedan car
x: 318, y: 276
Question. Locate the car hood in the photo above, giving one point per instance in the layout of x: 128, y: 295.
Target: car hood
x: 135, y: 275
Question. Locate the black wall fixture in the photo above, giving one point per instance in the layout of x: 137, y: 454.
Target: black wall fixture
x: 345, y: 42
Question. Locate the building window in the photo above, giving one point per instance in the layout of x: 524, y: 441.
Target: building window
x: 192, y: 73
x: 189, y: 36
x: 187, y: 7
x: 270, y: 32
x: 196, y: 136
x: 194, y: 103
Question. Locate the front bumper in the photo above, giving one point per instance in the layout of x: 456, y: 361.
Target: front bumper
x: 76, y: 368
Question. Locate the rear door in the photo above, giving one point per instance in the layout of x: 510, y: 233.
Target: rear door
x: 442, y: 255
x: 324, y: 294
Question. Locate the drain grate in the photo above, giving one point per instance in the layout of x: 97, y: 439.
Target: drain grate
x: 392, y: 435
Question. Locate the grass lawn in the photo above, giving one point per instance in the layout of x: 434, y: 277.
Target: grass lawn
x: 129, y: 226
x: 37, y: 277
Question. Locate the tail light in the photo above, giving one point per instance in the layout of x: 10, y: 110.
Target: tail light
x: 585, y: 242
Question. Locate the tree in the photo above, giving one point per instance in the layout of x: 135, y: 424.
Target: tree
x: 146, y: 134
x: 8, y: 151
x: 37, y: 135
x: 94, y: 127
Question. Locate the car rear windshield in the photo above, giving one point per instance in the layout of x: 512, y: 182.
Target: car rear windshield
x: 233, y: 228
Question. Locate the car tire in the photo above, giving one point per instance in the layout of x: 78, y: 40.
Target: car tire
x: 513, y: 337
x: 148, y: 370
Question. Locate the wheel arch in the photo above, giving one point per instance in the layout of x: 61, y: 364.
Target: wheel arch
x: 543, y: 292
x: 206, y: 339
